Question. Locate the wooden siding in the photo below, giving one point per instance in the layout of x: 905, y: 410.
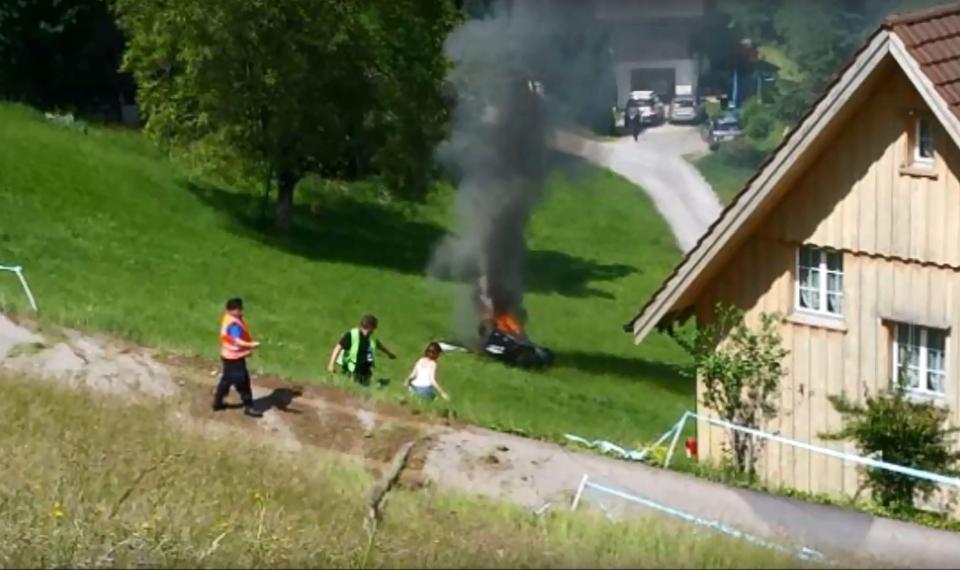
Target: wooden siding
x: 826, y: 361
x: 857, y: 197
x: 900, y: 239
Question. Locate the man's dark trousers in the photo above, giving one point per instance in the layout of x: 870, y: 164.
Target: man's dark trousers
x: 234, y: 374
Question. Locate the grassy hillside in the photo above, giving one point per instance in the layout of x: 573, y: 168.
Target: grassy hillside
x: 74, y: 494
x: 114, y: 237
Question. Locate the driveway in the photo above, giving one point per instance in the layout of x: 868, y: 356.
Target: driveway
x: 656, y: 164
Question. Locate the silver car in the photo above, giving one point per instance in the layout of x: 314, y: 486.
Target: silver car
x: 684, y: 109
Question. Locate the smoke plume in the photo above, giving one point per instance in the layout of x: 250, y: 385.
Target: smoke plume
x: 498, y: 146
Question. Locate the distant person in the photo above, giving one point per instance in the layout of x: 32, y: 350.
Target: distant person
x: 423, y: 378
x: 236, y: 345
x: 355, y: 353
x: 633, y: 119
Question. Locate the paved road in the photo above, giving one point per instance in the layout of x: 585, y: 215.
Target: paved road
x: 656, y: 164
x: 534, y: 473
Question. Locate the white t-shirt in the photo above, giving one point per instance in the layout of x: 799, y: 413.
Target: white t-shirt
x: 424, y: 372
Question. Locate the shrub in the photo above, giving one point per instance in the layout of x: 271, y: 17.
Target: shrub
x: 758, y: 121
x: 741, y: 153
x: 901, y: 431
x: 740, y: 370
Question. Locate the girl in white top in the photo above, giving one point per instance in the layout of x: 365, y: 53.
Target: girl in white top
x: 423, y: 378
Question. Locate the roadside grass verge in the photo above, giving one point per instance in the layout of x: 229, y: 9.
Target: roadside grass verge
x: 117, y: 238
x: 91, y: 482
x: 725, y: 179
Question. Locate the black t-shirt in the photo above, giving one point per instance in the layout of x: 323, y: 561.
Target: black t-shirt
x: 363, y: 355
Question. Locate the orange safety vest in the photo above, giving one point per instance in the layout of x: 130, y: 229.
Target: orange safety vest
x: 228, y: 349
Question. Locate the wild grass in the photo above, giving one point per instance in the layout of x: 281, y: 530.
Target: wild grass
x: 88, y: 482
x: 726, y: 179
x: 117, y: 238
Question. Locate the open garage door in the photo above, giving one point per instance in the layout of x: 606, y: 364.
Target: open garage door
x: 660, y: 79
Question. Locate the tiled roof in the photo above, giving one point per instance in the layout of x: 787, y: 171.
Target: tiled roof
x: 932, y: 37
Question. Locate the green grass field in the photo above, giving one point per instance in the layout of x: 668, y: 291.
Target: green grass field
x: 114, y: 237
x: 74, y: 494
x: 726, y: 179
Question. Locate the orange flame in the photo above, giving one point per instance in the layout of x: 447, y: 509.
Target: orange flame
x: 509, y: 324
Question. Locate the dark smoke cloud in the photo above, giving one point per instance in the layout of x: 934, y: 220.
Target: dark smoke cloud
x: 501, y: 126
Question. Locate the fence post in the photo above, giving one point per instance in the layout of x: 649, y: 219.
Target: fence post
x: 23, y: 283
x: 576, y: 497
x: 676, y: 437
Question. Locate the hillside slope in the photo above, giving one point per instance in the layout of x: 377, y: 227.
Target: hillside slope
x: 115, y: 237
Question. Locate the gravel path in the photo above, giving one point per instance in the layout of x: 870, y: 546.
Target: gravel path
x: 656, y: 164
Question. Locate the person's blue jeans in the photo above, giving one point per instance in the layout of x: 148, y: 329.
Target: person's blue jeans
x: 429, y: 393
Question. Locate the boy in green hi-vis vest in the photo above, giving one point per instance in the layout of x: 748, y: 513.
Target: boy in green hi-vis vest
x: 354, y: 354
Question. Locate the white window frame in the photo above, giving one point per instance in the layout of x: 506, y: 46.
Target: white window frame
x: 822, y: 305
x: 921, y: 388
x: 917, y: 157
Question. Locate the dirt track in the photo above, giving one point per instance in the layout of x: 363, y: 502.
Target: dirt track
x: 533, y: 474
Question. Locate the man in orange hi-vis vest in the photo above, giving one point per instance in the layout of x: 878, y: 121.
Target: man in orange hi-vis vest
x: 236, y: 345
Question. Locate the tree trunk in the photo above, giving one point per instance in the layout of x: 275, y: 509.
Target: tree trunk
x: 286, y: 182
x: 265, y: 202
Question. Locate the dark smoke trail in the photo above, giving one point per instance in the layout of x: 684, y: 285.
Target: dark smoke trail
x: 499, y: 141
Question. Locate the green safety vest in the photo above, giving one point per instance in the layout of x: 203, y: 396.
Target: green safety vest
x: 348, y: 358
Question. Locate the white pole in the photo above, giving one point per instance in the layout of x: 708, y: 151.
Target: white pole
x: 26, y: 288
x: 23, y: 283
x: 576, y: 497
x: 676, y: 436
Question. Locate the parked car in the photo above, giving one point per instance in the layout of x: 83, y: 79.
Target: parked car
x: 651, y: 110
x: 721, y: 129
x: 685, y: 109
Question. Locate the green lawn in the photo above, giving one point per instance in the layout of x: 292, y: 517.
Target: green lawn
x: 116, y: 238
x: 75, y: 495
x: 726, y: 179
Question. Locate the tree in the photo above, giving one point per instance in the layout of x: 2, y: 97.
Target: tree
x: 903, y: 432
x: 60, y: 53
x: 740, y: 370
x: 294, y: 86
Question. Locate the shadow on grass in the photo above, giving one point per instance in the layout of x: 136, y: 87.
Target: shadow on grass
x: 354, y: 232
x: 369, y: 234
x: 278, y: 399
x: 551, y: 271
x: 638, y: 370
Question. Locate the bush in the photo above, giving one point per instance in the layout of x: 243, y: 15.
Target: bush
x: 741, y: 153
x: 903, y: 432
x: 740, y: 370
x: 758, y: 121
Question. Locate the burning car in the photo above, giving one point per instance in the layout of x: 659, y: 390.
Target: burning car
x: 507, y: 342
x: 502, y: 335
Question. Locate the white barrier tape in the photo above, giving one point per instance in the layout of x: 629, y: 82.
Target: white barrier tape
x: 803, y: 553
x: 23, y: 282
x: 858, y: 459
x: 633, y: 455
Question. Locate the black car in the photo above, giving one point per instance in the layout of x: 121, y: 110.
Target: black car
x: 721, y: 129
x: 516, y: 351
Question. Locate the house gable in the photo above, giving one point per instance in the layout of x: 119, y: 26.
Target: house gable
x: 864, y: 195
x: 883, y: 54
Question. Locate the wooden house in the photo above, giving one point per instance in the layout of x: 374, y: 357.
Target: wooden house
x: 851, y: 231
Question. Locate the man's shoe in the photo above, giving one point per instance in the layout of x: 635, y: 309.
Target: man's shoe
x: 252, y: 413
x: 218, y: 407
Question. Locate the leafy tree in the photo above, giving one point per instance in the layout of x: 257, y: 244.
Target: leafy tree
x: 337, y: 88
x: 740, y: 370
x: 59, y: 53
x: 901, y: 431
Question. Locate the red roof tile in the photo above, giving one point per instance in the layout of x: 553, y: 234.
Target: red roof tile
x: 932, y: 37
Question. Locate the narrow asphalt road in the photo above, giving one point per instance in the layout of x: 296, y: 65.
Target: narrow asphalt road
x: 656, y: 164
